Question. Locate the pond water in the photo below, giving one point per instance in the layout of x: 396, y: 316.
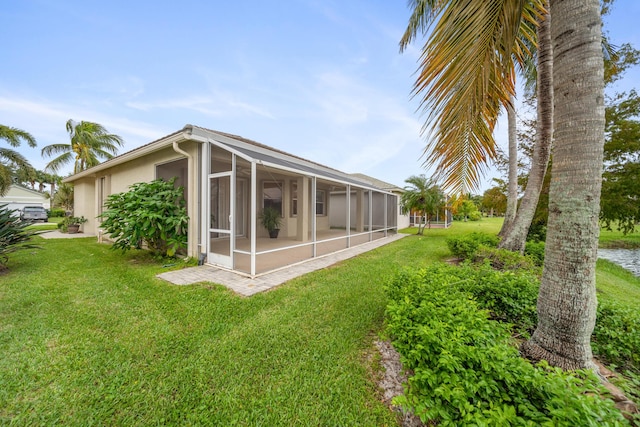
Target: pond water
x: 627, y: 258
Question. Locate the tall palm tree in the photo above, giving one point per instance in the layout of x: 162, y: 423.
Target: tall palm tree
x: 9, y: 157
x: 470, y: 43
x: 512, y: 186
x: 514, y: 235
x: 89, y: 144
x: 567, y: 298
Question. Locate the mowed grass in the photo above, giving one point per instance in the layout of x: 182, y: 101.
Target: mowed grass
x: 90, y: 336
x: 617, y: 284
x: 616, y: 239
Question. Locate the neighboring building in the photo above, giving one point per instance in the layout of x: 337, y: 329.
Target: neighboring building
x: 18, y: 197
x: 228, y: 180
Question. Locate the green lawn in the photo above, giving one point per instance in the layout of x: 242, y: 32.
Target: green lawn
x: 90, y: 336
x: 615, y: 239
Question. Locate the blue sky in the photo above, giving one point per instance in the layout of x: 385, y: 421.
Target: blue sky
x: 321, y: 79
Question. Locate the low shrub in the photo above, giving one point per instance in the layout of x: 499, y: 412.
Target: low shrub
x: 56, y: 213
x: 503, y: 259
x: 616, y: 337
x: 475, y: 216
x: 537, y: 232
x: 510, y: 297
x: 466, y: 371
x: 466, y: 246
x: 536, y: 251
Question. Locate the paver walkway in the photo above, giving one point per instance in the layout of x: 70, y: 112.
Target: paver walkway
x: 247, y: 286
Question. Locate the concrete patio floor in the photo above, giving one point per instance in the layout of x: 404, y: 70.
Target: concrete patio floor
x: 56, y: 234
x: 247, y: 286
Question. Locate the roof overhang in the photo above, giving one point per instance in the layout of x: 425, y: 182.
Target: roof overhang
x: 152, y: 147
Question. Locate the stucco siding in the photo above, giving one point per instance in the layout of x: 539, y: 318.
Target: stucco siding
x: 120, y: 177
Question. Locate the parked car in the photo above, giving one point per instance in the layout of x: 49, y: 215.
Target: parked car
x: 34, y: 213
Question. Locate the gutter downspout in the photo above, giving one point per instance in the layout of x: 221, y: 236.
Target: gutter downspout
x: 191, y: 186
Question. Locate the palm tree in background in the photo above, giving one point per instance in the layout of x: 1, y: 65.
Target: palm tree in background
x: 9, y: 157
x: 466, y: 74
x: 514, y: 233
x: 424, y: 197
x: 89, y: 144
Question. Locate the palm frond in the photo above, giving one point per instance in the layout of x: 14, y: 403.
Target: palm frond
x: 15, y: 136
x: 467, y: 72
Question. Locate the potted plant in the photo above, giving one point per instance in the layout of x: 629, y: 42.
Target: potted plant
x: 71, y: 224
x: 271, y: 220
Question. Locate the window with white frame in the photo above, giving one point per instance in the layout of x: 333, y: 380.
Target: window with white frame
x: 321, y: 202
x: 294, y: 198
x: 272, y: 195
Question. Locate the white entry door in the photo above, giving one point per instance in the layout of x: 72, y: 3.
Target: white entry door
x: 220, y: 219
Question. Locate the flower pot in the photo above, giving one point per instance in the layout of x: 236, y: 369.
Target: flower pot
x: 274, y: 233
x: 73, y: 228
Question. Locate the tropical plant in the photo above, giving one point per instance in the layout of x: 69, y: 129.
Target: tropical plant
x: 89, y: 144
x: 151, y: 213
x: 64, y: 197
x: 14, y: 234
x: 9, y: 157
x: 424, y: 197
x: 270, y: 219
x: 466, y: 74
x: 69, y: 221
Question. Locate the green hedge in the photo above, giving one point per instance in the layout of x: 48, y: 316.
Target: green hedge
x: 466, y: 370
x: 56, y: 213
x: 466, y: 246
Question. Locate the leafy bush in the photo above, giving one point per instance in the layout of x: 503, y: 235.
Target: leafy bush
x: 13, y: 234
x: 616, y: 337
x: 55, y: 213
x: 150, y: 213
x: 536, y: 251
x: 537, y: 231
x: 475, y: 216
x: 466, y: 246
x: 503, y: 259
x: 510, y: 297
x: 466, y: 370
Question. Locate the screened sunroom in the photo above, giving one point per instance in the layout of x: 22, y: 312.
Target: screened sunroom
x: 228, y: 181
x: 322, y: 210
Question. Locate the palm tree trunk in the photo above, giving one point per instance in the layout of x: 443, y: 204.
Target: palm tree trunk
x: 512, y: 190
x: 514, y: 238
x: 567, y: 299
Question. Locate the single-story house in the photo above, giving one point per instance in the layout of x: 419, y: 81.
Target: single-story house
x: 228, y: 181
x: 18, y: 197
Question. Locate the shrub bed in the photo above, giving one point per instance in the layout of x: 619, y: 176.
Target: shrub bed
x: 466, y: 246
x: 465, y: 367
